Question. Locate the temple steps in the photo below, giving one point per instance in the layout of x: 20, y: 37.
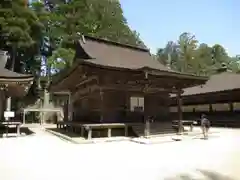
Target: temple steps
x: 137, y: 129
x: 156, y: 128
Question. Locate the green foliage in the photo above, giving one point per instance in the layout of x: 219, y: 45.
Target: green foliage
x: 102, y: 19
x: 18, y: 24
x: 61, y: 58
x: 186, y: 55
x: 20, y: 31
x: 65, y: 22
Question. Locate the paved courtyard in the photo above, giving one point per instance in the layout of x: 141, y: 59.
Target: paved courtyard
x: 43, y: 156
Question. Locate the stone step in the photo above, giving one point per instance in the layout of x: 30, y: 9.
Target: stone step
x: 155, y: 129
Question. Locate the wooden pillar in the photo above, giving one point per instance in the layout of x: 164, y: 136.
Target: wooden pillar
x: 126, y: 130
x: 231, y: 108
x: 90, y: 133
x: 147, y: 128
x: 210, y: 108
x: 18, y: 129
x: 127, y: 107
x: 24, y: 116
x: 70, y: 107
x: 1, y: 103
x: 146, y: 120
x: 179, y: 105
x: 82, y: 131
x: 109, y: 132
x: 101, y: 104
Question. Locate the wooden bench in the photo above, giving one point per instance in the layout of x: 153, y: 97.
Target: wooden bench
x: 108, y: 126
x: 184, y: 123
x: 8, y: 124
x: 69, y: 125
x: 73, y: 126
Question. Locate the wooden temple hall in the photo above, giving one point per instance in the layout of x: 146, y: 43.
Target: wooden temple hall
x: 12, y: 84
x: 218, y: 98
x: 113, y: 85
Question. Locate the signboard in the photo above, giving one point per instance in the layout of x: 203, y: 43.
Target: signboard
x: 9, y: 114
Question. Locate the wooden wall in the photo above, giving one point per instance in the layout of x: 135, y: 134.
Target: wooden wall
x: 87, y: 109
x: 157, y: 106
x: 115, y: 106
x: 2, y: 105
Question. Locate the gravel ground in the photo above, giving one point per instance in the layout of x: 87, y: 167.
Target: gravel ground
x: 44, y: 156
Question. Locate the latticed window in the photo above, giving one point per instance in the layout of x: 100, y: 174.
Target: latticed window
x: 137, y: 103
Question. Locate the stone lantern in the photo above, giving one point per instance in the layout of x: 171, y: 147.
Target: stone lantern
x: 3, y: 58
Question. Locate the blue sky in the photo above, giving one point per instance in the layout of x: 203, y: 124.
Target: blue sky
x: 211, y: 21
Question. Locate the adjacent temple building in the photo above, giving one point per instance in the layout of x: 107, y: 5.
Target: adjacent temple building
x: 218, y: 98
x: 117, y: 83
x: 12, y: 84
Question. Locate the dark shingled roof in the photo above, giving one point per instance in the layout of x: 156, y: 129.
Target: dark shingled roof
x: 217, y: 83
x: 112, y: 54
x: 9, y: 75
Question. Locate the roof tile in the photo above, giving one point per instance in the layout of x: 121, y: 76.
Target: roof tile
x: 218, y: 82
x: 108, y: 53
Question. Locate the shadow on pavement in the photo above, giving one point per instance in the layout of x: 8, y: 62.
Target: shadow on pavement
x: 205, y: 175
x: 210, y: 137
x: 66, y: 133
x: 12, y: 132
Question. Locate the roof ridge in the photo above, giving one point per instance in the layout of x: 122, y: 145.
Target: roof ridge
x: 115, y: 43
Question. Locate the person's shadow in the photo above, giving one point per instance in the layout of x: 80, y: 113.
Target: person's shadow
x: 206, y: 175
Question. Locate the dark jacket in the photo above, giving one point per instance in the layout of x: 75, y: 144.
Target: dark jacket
x: 205, y: 122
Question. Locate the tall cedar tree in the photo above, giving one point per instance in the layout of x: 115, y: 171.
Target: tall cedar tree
x: 64, y: 22
x: 102, y: 19
x: 19, y: 29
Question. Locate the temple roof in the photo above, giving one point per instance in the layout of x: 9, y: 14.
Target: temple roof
x: 113, y: 55
x: 109, y: 54
x: 8, y: 75
x: 217, y: 83
x: 17, y: 84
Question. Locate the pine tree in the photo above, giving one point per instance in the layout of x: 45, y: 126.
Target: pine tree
x: 20, y: 29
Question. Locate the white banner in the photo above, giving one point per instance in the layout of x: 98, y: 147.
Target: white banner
x: 9, y: 114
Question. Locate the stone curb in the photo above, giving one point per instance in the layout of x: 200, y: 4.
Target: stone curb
x: 61, y: 136
x: 148, y: 143
x: 111, y: 140
x: 192, y: 137
x: 69, y: 139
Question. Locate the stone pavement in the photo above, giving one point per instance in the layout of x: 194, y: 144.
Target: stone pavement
x: 163, y: 138
x: 44, y: 156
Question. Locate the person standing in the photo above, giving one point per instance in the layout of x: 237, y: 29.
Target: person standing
x: 205, y: 124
